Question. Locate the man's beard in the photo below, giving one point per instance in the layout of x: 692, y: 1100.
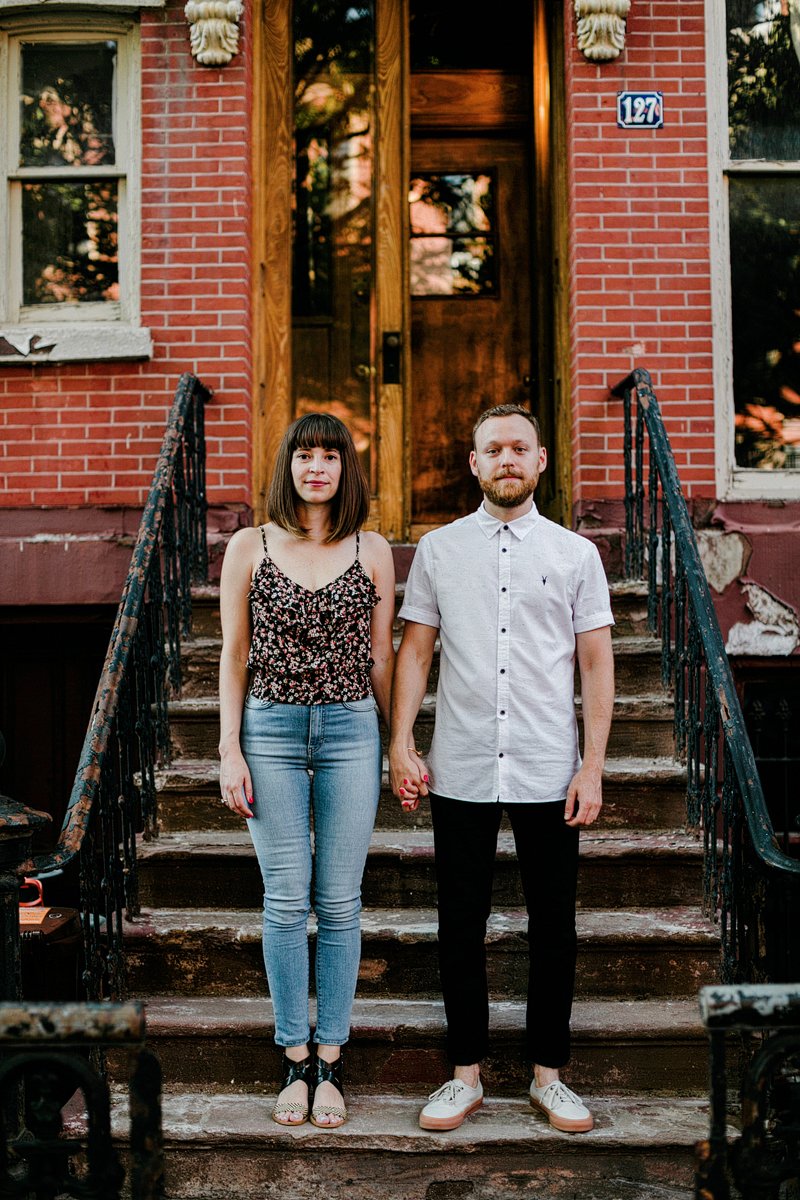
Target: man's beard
x: 509, y: 492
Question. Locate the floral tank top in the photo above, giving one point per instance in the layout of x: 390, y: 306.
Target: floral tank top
x: 311, y: 647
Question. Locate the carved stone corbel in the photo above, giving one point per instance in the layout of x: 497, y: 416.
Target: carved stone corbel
x: 601, y: 28
x: 214, y: 30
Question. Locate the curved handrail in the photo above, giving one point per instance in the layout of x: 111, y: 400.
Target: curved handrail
x: 104, y: 711
x: 703, y: 711
x: 113, y: 794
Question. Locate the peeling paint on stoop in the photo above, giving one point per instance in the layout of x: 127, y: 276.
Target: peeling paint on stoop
x: 725, y: 556
x: 775, y: 631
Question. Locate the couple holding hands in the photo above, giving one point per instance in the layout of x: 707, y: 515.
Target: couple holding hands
x: 307, y: 605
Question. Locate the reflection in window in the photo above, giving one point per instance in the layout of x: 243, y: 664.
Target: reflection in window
x: 452, y: 235
x: 69, y: 233
x: 765, y: 273
x: 763, y: 79
x: 333, y: 213
x: 66, y: 105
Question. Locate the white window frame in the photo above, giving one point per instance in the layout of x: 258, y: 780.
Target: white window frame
x: 733, y: 482
x: 92, y: 330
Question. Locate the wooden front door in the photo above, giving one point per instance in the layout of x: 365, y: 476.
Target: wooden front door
x: 471, y: 319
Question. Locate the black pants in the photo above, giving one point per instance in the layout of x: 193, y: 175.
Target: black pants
x: 465, y: 836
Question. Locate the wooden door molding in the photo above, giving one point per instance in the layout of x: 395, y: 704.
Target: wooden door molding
x: 552, y: 251
x: 392, y: 262
x: 272, y: 406
x: 272, y: 244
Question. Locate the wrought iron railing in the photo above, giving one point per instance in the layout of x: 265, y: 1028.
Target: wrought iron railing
x: 49, y: 1149
x: 114, y: 794
x: 749, y: 884
x: 764, y: 1160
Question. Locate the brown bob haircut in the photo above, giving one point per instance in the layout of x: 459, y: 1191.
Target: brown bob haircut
x: 350, y: 505
x: 507, y: 410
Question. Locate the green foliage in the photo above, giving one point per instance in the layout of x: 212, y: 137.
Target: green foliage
x: 764, y: 92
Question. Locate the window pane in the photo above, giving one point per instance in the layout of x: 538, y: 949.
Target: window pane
x: 765, y: 276
x: 66, y: 104
x: 333, y: 215
x: 442, y: 266
x: 456, y: 204
x: 763, y: 79
x: 69, y: 233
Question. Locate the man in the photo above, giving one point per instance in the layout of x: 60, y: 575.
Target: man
x: 515, y: 599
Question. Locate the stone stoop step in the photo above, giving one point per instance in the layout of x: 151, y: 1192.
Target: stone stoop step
x: 642, y: 725
x: 219, y: 868
x: 208, y: 1043
x: 637, y: 954
x: 638, y: 794
x: 226, y: 1147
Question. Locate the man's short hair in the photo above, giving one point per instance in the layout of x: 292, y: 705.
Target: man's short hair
x: 507, y: 410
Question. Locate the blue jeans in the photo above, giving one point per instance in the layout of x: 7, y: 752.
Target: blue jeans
x: 325, y: 758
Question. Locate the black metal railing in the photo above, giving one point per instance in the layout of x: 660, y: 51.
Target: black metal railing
x: 749, y: 884
x: 50, y: 1147
x: 764, y: 1160
x: 114, y: 795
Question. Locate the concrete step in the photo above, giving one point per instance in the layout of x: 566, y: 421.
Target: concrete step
x: 227, y: 1148
x: 637, y: 663
x: 642, y: 726
x: 207, y: 1043
x: 638, y: 793
x: 645, y: 953
x: 219, y: 868
x: 628, y: 604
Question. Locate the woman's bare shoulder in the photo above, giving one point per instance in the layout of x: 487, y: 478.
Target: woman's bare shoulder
x: 376, y: 549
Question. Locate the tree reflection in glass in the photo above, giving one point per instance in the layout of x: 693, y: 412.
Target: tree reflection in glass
x: 66, y: 104
x: 333, y: 212
x: 452, y: 235
x: 70, y: 238
x: 765, y: 273
x: 764, y: 78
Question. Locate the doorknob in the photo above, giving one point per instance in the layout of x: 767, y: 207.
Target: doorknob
x: 527, y: 380
x: 365, y: 371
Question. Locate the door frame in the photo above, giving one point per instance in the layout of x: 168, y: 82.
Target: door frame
x: 271, y: 156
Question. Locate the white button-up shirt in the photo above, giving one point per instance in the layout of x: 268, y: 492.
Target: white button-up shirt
x: 508, y: 599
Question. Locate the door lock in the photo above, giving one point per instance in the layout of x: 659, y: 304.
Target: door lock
x: 392, y: 357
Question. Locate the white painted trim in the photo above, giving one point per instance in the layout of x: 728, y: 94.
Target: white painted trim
x: 732, y: 482
x: 79, y: 342
x: 126, y: 107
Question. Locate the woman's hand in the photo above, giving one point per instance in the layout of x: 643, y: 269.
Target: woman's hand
x: 409, y: 776
x: 235, y: 783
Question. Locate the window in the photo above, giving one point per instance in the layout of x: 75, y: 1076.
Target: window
x: 758, y: 373
x: 70, y: 201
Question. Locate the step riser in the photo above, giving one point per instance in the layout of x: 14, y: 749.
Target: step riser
x: 633, y: 673
x: 678, y: 1067
x: 224, y: 1171
x: 212, y: 882
x: 192, y: 965
x: 197, y: 736
x: 635, y: 804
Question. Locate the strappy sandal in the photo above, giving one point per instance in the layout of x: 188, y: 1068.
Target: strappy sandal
x: 324, y: 1072
x: 292, y: 1072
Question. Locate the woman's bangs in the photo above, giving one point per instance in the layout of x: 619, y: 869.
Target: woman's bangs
x: 319, y: 429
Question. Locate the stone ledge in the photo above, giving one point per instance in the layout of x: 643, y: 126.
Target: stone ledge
x: 76, y: 341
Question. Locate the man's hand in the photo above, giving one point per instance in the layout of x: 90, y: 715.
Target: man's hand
x: 409, y: 775
x: 584, y: 798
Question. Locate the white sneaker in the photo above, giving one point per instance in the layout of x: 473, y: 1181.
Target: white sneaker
x: 563, y: 1109
x: 447, y: 1107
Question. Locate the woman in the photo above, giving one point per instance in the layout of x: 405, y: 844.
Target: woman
x: 307, y: 603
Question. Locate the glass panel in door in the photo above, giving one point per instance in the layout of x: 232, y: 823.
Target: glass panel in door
x: 333, y: 210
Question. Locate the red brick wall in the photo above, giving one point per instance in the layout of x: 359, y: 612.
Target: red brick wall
x: 639, y: 253
x: 89, y: 434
